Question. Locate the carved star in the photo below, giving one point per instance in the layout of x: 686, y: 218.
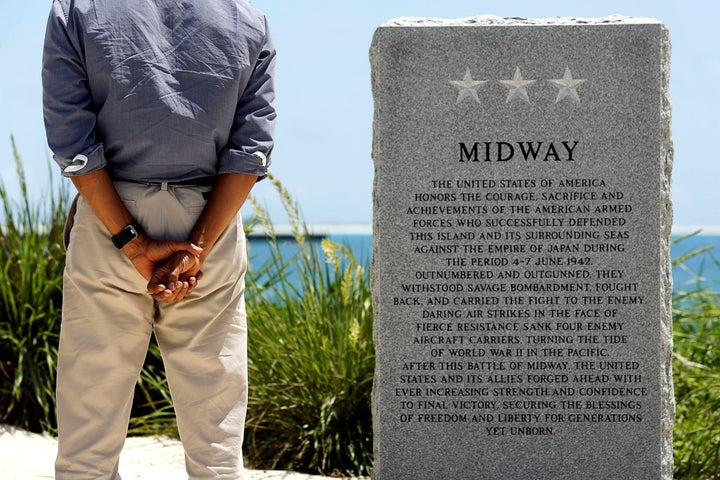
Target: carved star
x: 568, y: 86
x: 517, y: 87
x: 467, y: 86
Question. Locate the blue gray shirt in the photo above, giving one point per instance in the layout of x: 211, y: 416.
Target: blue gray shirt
x: 161, y: 90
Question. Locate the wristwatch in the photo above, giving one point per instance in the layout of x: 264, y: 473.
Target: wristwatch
x: 127, y: 234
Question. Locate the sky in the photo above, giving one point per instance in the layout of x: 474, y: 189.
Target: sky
x: 325, y: 106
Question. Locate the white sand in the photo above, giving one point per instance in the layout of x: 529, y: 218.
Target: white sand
x: 30, y: 456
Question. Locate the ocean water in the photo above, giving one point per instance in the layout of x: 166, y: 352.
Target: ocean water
x: 704, y: 267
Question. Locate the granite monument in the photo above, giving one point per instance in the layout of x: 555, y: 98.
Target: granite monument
x: 521, y: 275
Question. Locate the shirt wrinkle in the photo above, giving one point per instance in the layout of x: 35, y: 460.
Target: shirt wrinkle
x: 162, y: 72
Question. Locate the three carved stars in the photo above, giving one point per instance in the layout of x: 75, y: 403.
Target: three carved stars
x: 517, y: 87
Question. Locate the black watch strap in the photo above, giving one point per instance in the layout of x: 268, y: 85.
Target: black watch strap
x: 127, y: 234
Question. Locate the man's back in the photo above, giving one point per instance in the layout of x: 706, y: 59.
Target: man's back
x: 164, y: 78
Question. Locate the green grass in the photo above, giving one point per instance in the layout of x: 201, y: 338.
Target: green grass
x: 311, y: 356
x: 696, y: 372
x: 311, y: 352
x: 31, y: 265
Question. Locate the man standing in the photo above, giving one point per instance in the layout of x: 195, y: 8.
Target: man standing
x: 162, y: 114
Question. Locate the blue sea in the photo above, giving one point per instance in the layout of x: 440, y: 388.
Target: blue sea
x: 704, y: 267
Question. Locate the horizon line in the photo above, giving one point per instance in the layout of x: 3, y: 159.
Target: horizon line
x: 324, y: 229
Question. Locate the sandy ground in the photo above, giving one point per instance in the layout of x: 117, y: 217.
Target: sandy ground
x: 29, y: 456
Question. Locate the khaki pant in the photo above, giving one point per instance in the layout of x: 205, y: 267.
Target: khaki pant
x: 108, y: 317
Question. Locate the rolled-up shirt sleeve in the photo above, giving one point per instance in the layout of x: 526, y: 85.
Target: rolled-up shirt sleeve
x: 67, y: 104
x: 251, y: 139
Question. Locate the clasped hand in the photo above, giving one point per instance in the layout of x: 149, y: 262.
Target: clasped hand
x: 176, y: 277
x: 172, y: 268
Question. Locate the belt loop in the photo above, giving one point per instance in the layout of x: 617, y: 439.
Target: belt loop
x: 164, y: 186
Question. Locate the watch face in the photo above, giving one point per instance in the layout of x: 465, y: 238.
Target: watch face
x: 125, y: 235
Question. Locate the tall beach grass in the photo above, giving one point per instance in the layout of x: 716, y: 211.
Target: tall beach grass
x: 696, y: 373
x: 310, y: 346
x: 311, y: 356
x: 31, y: 264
